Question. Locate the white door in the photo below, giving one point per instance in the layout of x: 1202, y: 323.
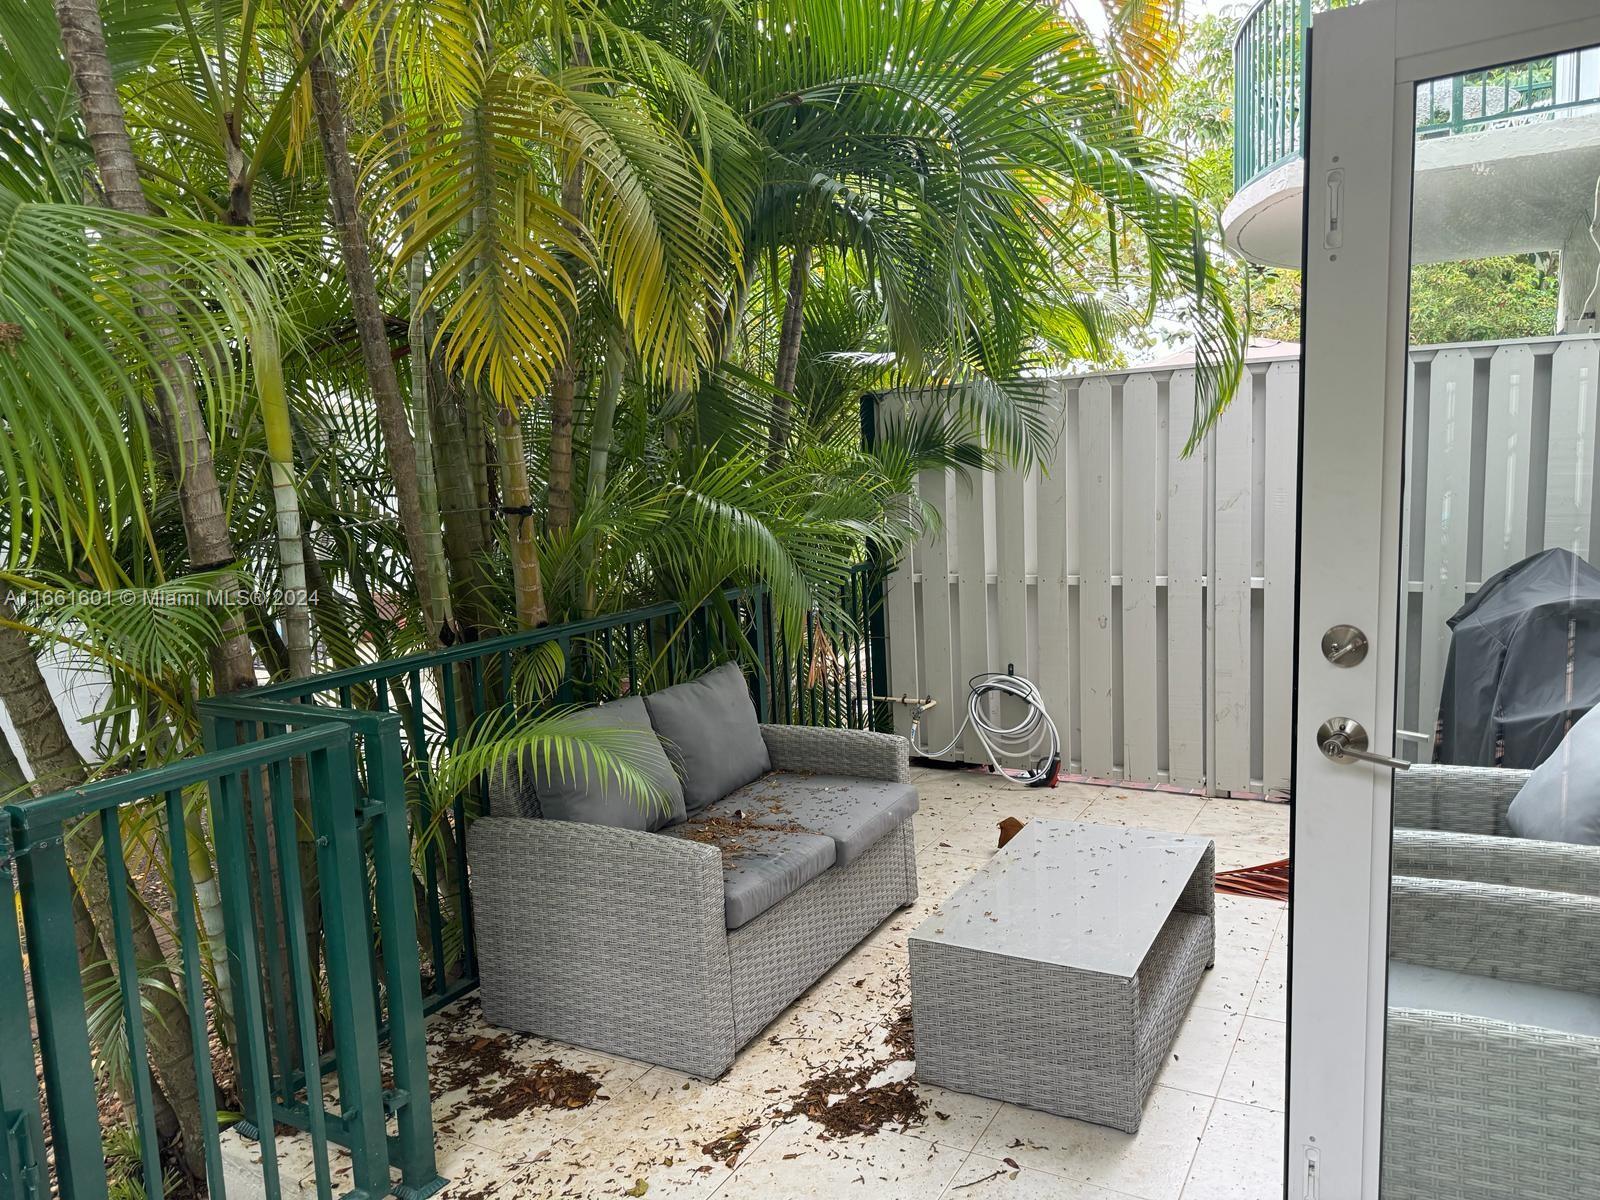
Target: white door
x: 1440, y: 132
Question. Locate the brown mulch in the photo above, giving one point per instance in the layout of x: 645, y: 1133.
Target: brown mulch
x: 728, y: 1148
x: 741, y: 831
x: 844, y: 1101
x: 899, y: 1038
x: 498, y: 1085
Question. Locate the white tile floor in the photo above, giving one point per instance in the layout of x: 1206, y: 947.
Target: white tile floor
x: 1213, y: 1127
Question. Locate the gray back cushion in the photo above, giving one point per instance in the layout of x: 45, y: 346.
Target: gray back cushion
x: 711, y: 732
x: 1560, y: 802
x: 583, y: 792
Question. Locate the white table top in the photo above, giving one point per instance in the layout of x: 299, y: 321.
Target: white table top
x: 1090, y: 897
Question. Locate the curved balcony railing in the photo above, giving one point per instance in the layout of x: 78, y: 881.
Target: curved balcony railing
x: 1269, y: 80
x: 1269, y: 73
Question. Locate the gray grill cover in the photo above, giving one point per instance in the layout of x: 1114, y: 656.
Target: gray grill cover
x: 1507, y: 678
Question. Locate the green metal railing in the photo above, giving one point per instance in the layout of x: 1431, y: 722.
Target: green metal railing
x: 1269, y: 87
x: 1467, y: 102
x: 283, y: 805
x: 328, y: 840
x: 1269, y: 77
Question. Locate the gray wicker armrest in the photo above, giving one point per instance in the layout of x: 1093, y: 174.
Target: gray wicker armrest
x: 1509, y: 861
x: 1458, y: 799
x: 856, y: 753
x: 609, y: 938
x: 1522, y: 934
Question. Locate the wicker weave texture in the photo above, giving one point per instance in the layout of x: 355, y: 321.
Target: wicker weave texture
x: 1075, y: 1043
x: 606, y: 938
x: 1456, y: 799
x: 798, y: 940
x: 1550, y: 939
x: 1507, y: 861
x: 1485, y: 1110
x: 857, y: 753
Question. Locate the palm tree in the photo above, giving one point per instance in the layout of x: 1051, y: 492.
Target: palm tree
x: 176, y: 417
x: 960, y: 155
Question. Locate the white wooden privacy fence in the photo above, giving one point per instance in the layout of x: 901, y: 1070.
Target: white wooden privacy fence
x: 1500, y: 463
x: 1151, y: 596
x: 1095, y: 579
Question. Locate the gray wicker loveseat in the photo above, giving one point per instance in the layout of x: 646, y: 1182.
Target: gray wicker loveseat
x: 677, y: 942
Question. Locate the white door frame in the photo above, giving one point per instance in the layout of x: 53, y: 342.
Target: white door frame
x: 1364, y: 64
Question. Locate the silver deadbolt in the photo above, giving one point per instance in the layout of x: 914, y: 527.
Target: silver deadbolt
x: 1344, y: 739
x: 1344, y: 645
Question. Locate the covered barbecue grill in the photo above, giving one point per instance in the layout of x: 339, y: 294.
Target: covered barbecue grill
x: 1524, y: 663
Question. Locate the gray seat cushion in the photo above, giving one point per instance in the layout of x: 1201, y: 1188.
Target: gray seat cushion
x: 1411, y: 986
x: 1560, y: 802
x: 760, y: 866
x: 711, y: 734
x: 855, y: 813
x: 580, y: 791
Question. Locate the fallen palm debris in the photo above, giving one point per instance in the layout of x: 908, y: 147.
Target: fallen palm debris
x: 847, y: 1102
x: 728, y: 1148
x: 499, y: 1086
x: 742, y: 831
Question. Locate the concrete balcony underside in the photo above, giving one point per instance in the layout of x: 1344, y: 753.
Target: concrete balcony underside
x: 1510, y: 189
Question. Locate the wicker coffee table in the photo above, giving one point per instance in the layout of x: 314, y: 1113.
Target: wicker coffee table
x: 1057, y: 978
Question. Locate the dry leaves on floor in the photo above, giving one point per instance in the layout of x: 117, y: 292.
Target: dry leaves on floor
x: 498, y: 1086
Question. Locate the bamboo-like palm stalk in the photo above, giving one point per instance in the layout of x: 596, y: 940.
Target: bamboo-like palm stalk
x: 517, y: 503
x: 783, y: 376
x: 559, y: 501
x: 371, y: 327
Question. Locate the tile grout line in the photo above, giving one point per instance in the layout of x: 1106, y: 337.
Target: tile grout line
x: 1188, y: 1172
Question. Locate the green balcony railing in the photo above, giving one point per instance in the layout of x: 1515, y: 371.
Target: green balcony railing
x: 1269, y: 87
x: 1269, y: 76
x: 1544, y: 87
x: 280, y: 807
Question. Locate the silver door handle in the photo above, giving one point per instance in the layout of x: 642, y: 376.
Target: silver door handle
x: 1343, y: 739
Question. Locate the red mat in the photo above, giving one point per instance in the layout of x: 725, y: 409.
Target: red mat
x: 1270, y: 881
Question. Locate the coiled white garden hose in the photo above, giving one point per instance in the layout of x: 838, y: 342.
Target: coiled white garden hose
x: 1033, y: 738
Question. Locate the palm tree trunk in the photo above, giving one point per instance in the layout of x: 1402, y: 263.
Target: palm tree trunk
x: 422, y: 423
x: 788, y: 356
x: 458, y: 500
x: 563, y: 396
x: 56, y: 764
x: 517, y: 503
x: 602, y: 422
x: 12, y: 777
x: 602, y: 429
x: 479, y: 439
x: 285, y: 500
x: 371, y: 328
x: 181, y: 426
x: 558, y: 514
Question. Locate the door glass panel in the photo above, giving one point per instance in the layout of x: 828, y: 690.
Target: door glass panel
x: 1493, y: 1049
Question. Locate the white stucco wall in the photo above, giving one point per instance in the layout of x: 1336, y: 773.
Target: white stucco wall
x: 78, y: 693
